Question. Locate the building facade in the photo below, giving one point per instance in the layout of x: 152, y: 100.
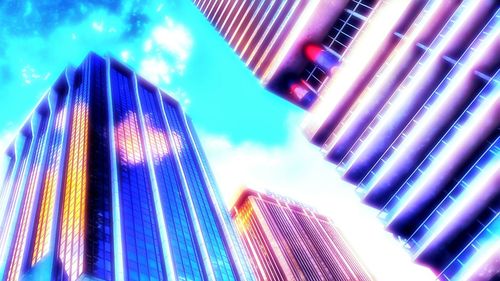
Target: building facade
x: 406, y: 101
x: 107, y: 181
x: 288, y: 241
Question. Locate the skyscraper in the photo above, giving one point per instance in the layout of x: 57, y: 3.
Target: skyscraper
x: 403, y: 96
x: 269, y: 35
x: 289, y: 241
x: 107, y: 181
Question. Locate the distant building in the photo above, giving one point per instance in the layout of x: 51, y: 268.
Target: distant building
x: 288, y: 241
x: 404, y: 97
x: 107, y: 181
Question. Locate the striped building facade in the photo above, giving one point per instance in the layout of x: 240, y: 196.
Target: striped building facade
x: 269, y: 35
x: 407, y: 104
x: 107, y: 181
x: 288, y: 241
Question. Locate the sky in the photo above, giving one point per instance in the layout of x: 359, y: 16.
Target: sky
x: 251, y: 137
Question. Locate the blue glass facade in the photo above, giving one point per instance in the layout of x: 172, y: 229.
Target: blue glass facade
x: 216, y: 249
x: 142, y: 246
x: 187, y: 260
x: 99, y: 235
x: 113, y: 185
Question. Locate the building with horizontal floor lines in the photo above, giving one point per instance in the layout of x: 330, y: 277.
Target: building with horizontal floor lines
x: 286, y: 240
x: 107, y: 181
x: 403, y: 96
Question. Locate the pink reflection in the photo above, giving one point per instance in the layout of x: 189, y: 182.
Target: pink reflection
x: 128, y: 140
x: 127, y: 136
x: 157, y: 140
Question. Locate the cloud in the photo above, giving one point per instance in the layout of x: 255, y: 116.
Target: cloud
x: 166, y: 51
x: 156, y: 70
x: 30, y: 74
x: 98, y: 26
x: 297, y: 169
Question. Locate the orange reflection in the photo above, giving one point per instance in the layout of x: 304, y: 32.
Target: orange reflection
x: 128, y: 139
x: 71, y: 248
x: 44, y: 224
x: 243, y: 217
x: 127, y: 135
x: 157, y: 141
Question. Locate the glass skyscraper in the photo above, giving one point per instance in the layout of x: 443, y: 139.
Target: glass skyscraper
x: 107, y: 181
x: 286, y: 240
x: 403, y: 96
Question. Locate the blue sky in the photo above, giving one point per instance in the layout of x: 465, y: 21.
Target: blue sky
x: 251, y: 136
x: 192, y: 61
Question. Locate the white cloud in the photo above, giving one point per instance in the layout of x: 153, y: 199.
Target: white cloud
x: 30, y: 74
x: 125, y: 55
x: 98, y: 26
x: 173, y: 38
x: 297, y: 169
x: 156, y: 70
x: 167, y: 50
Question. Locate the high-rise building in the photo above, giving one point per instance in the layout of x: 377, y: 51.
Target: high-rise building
x: 269, y: 36
x: 404, y: 97
x: 286, y: 240
x: 107, y: 181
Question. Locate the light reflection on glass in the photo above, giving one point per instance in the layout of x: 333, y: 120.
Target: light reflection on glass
x: 71, y: 249
x: 128, y: 136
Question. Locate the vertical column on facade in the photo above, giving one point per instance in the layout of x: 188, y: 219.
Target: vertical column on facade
x: 115, y: 191
x: 338, y: 247
x: 218, y: 12
x: 166, y: 251
x: 224, y: 21
x: 412, y: 93
x: 244, y: 23
x: 142, y: 250
x: 98, y: 242
x: 403, y: 57
x: 270, y: 230
x: 227, y: 226
x: 295, y: 241
x: 334, y: 264
x: 358, y: 66
x: 18, y: 239
x: 257, y: 31
x: 434, y: 118
x: 21, y: 150
x: 426, y: 188
x: 260, y: 242
x: 61, y: 178
x: 18, y: 148
x: 480, y: 195
x: 9, y: 161
x: 308, y: 242
x: 242, y: 221
x: 189, y: 200
x: 46, y: 233
x: 48, y: 109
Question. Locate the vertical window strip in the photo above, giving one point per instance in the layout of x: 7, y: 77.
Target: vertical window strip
x: 71, y: 248
x: 98, y: 261
x: 11, y: 215
x: 219, y: 203
x: 177, y: 221
x: 19, y: 247
x: 141, y: 237
x: 46, y: 212
x: 215, y: 247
